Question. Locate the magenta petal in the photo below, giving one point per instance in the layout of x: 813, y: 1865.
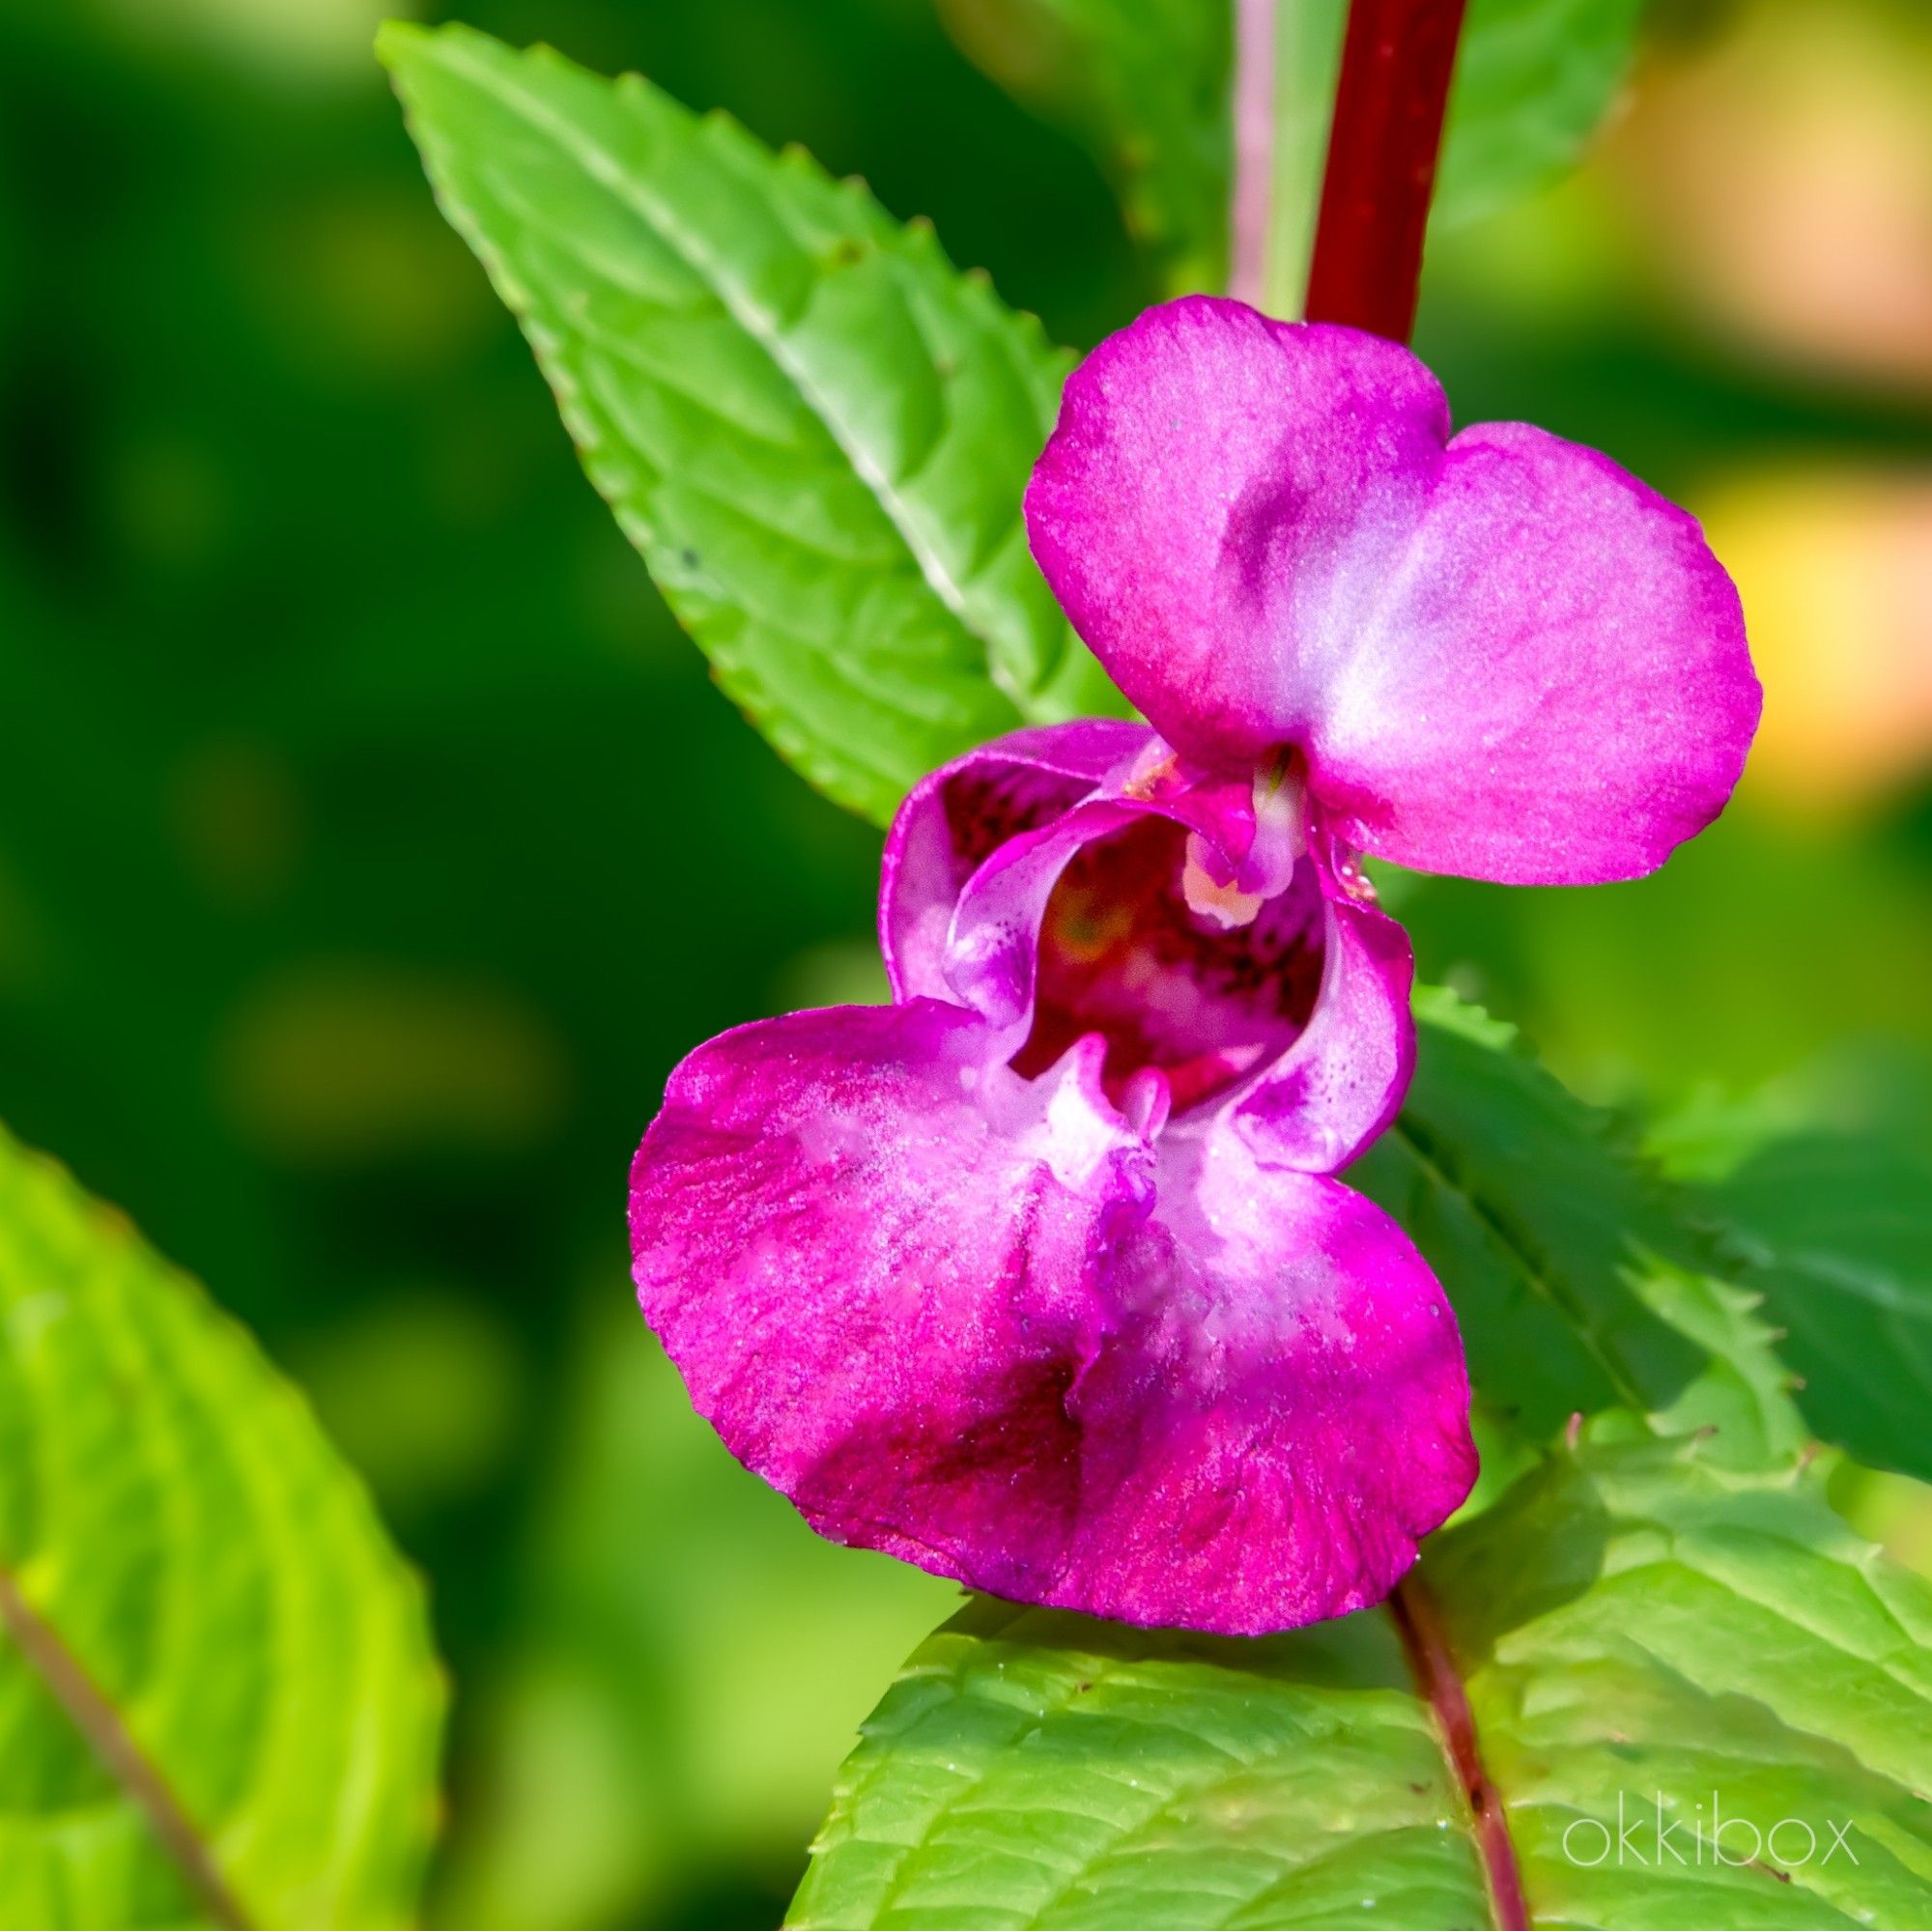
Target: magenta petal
x: 941, y: 1309
x: 1343, y: 1081
x: 958, y: 815
x: 1503, y: 655
x: 878, y: 1297
x: 1555, y: 689
x: 1283, y: 1415
x: 1213, y: 475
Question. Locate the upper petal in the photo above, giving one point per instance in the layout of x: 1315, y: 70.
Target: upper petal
x: 1210, y: 475
x: 1503, y: 655
x: 944, y: 1311
x: 1554, y: 689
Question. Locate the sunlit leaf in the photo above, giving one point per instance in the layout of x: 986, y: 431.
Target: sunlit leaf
x: 815, y: 429
x: 1640, y: 1642
x: 219, y: 1705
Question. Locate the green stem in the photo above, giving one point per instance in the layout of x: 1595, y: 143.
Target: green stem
x: 1307, y: 62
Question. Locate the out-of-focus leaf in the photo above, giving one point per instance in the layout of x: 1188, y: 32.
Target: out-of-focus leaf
x: 1534, y: 79
x: 813, y: 428
x: 1144, y: 84
x: 1148, y: 88
x: 671, y: 1606
x: 219, y: 1705
x: 342, y: 1060
x: 1635, y: 1636
x: 1541, y: 1219
x: 1838, y: 1237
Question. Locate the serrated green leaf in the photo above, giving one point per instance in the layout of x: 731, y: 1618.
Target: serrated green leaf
x: 1631, y: 1625
x: 218, y: 1704
x: 1582, y: 1277
x: 1532, y: 1209
x: 814, y: 430
x: 1149, y: 89
x: 1636, y: 1620
x: 1741, y: 1396
x: 1031, y: 1768
x: 1836, y: 1234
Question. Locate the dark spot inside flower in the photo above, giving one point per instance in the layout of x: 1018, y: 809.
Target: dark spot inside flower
x: 987, y: 804
x: 1121, y: 953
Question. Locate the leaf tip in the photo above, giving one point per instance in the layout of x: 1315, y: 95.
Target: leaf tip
x: 396, y: 40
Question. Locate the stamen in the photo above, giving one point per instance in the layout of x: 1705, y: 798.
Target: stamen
x: 1281, y: 824
x: 1150, y: 770
x: 1353, y: 880
x: 1280, y: 842
x: 1227, y: 905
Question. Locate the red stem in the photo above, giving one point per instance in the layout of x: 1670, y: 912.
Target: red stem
x: 1440, y: 1684
x: 1396, y: 63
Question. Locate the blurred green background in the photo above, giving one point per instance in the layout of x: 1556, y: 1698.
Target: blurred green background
x: 371, y: 842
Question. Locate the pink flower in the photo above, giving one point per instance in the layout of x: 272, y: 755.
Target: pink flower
x: 1039, y: 1277
x: 1499, y: 655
